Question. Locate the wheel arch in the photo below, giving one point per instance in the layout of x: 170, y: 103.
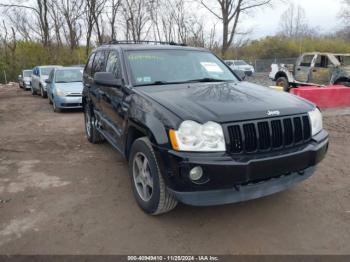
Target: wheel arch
x: 154, y: 130
x: 280, y: 74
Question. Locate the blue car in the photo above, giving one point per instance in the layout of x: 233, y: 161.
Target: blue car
x: 64, y: 88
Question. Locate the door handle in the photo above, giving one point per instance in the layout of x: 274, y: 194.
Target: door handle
x: 298, y: 69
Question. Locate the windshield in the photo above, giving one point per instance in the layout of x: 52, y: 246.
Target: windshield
x: 68, y: 75
x: 240, y: 62
x: 27, y: 73
x: 176, y: 66
x: 46, y: 70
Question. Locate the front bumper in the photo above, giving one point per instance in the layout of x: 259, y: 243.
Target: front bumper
x: 243, y: 193
x: 229, y: 179
x: 248, y: 72
x: 68, y: 101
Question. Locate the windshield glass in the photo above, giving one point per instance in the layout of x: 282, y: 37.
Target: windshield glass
x: 27, y: 73
x: 46, y: 70
x: 68, y: 75
x: 176, y: 66
x: 344, y: 60
x: 239, y: 63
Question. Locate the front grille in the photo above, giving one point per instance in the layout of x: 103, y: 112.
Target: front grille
x: 71, y: 104
x: 74, y: 94
x: 269, y: 134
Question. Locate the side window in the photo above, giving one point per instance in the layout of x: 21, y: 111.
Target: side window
x: 112, y: 64
x: 322, y: 61
x: 88, y: 66
x: 99, y: 63
x: 307, y: 60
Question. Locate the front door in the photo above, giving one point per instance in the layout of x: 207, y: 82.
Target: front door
x: 303, y: 67
x: 112, y: 100
x: 321, y: 70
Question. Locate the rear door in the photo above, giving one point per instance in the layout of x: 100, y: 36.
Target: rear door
x: 303, y: 68
x: 87, y: 75
x: 95, y: 90
x: 321, y: 70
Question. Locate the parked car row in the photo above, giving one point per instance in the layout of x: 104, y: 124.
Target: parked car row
x: 61, y: 85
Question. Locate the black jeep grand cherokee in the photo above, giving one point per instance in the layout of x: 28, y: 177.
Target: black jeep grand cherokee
x: 192, y: 131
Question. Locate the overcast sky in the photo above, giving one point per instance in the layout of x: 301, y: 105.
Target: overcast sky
x: 320, y: 13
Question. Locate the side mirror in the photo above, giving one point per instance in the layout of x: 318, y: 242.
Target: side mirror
x: 241, y: 75
x: 48, y: 81
x: 107, y: 79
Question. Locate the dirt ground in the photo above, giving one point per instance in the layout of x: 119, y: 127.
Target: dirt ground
x: 61, y: 195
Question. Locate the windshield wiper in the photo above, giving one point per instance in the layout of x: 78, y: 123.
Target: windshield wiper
x: 158, y: 83
x: 207, y: 79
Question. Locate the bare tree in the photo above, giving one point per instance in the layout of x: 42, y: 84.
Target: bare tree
x: 112, y: 18
x: 137, y: 19
x: 293, y: 23
x: 230, y: 12
x: 93, y: 10
x: 71, y: 11
x: 40, y: 10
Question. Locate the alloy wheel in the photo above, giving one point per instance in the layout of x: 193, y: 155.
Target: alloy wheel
x: 142, y: 176
x: 87, y: 122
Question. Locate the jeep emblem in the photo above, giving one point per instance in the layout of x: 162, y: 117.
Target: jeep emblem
x: 273, y: 113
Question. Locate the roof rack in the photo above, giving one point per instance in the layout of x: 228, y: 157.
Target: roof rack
x: 116, y: 42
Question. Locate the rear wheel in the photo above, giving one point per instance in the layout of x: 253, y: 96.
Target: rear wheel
x: 92, y: 134
x: 147, y: 182
x: 283, y: 82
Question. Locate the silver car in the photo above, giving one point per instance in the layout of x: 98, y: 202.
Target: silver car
x: 39, y: 75
x: 24, y: 79
x: 241, y: 65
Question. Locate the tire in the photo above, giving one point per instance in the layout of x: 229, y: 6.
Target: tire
x: 283, y: 82
x: 92, y: 134
x: 157, y: 200
x: 55, y: 108
x: 33, y: 91
x: 43, y: 93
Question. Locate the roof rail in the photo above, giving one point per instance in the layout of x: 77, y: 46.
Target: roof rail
x: 116, y: 42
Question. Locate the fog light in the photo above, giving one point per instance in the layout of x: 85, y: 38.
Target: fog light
x: 196, y: 173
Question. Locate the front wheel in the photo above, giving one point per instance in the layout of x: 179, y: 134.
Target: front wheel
x: 283, y: 82
x: 147, y: 182
x: 33, y: 91
x: 55, y: 108
x: 43, y: 92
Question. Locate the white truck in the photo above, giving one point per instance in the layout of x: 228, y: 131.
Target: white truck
x: 317, y: 69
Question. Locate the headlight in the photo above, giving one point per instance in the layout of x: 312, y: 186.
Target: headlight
x: 316, y: 121
x: 194, y: 137
x: 60, y: 92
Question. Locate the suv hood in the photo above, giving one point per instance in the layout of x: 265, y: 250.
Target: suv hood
x: 224, y: 102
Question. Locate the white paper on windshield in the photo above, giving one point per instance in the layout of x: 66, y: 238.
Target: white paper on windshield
x: 211, y: 67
